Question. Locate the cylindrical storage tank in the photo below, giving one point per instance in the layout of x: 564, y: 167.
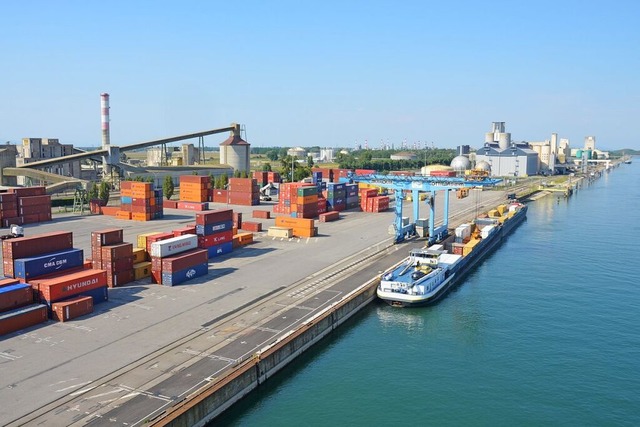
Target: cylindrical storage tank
x: 579, y: 154
x: 589, y: 154
x: 488, y: 137
x: 235, y: 153
x: 504, y: 140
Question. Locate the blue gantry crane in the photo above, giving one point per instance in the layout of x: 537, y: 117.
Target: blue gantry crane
x: 401, y: 184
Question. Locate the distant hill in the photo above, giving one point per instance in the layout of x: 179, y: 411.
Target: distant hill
x: 624, y: 151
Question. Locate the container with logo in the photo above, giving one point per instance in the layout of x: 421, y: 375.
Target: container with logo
x: 181, y: 276
x: 174, y: 245
x: 28, y: 268
x: 216, y: 227
x: 69, y: 285
x: 218, y: 250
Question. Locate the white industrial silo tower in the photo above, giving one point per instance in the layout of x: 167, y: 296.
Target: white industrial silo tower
x: 235, y: 151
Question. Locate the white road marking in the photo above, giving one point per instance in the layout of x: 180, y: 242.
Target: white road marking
x: 73, y: 386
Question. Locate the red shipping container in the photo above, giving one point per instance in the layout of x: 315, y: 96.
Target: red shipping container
x: 183, y: 260
x: 30, y: 219
x: 34, y: 200
x: 120, y: 278
x: 170, y: 204
x: 261, y: 214
x: 156, y: 276
x: 32, y: 210
x: 156, y: 238
x: 72, y: 308
x: 244, y: 199
x: 22, y: 318
x: 183, y: 231
x: 242, y: 184
x: 252, y: 226
x: 329, y: 216
x: 23, y: 247
x: 215, y: 239
x: 29, y: 191
x: 117, y: 265
x: 108, y: 236
x: 44, y: 216
x: 16, y: 298
x: 68, y: 285
x: 114, y: 252
x: 8, y: 198
x: 193, y: 206
x: 211, y: 217
x: 220, y: 196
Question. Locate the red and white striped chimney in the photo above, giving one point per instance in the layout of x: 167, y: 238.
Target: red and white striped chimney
x: 104, y: 104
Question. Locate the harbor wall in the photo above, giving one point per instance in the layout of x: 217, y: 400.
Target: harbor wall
x: 212, y: 400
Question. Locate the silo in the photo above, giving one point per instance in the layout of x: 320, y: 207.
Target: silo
x: 234, y: 151
x: 504, y: 140
x: 488, y: 137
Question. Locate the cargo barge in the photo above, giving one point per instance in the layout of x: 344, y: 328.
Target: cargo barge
x: 427, y: 274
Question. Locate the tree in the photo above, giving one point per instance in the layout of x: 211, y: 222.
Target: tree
x: 167, y: 187
x: 272, y: 155
x: 309, y: 161
x: 266, y: 167
x: 103, y: 192
x: 92, y: 191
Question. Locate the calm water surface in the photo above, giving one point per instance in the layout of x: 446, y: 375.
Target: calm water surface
x: 545, y: 332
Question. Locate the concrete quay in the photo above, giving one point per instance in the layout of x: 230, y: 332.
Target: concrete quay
x: 152, y: 348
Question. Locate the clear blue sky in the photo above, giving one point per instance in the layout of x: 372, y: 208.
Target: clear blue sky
x: 325, y: 73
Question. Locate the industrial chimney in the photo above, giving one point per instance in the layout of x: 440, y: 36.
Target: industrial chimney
x: 104, y: 104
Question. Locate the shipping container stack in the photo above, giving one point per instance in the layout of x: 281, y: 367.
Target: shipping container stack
x: 139, y: 201
x: 263, y: 177
x: 298, y: 200
x: 110, y: 253
x: 215, y: 231
x: 54, y: 272
x: 371, y: 202
x: 177, y: 260
x: 336, y: 195
x: 352, y: 199
x: 26, y: 205
x: 194, y: 192
x: 244, y: 191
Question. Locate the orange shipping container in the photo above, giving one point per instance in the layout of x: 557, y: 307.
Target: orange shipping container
x: 285, y: 221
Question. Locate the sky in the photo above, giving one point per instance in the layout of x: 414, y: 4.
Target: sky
x: 322, y: 73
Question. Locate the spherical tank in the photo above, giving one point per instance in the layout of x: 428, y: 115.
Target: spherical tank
x: 504, y: 140
x: 483, y: 165
x: 460, y: 163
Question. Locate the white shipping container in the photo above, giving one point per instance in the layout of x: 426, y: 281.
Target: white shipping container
x: 280, y: 232
x: 486, y: 231
x: 463, y: 231
x: 175, y: 245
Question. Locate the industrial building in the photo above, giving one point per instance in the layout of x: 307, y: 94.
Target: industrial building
x: 186, y: 155
x: 507, y: 158
x: 36, y: 149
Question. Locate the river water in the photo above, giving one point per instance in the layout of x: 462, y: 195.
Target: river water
x: 546, y: 331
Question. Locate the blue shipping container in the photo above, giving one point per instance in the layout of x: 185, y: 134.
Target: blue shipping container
x: 28, y: 268
x: 126, y: 200
x: 221, y: 249
x: 14, y: 287
x: 216, y: 227
x: 181, y: 276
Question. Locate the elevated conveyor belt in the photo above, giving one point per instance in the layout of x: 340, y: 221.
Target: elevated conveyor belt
x: 58, y: 184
